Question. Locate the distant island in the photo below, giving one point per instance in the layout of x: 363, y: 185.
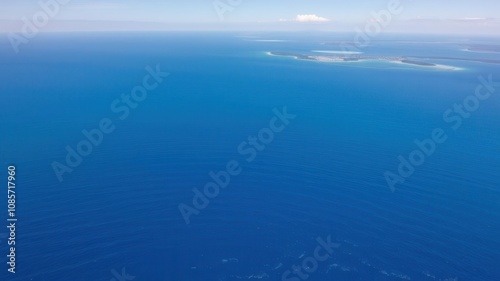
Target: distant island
x: 418, y: 63
x: 462, y: 59
x: 410, y: 60
x: 483, y: 48
x: 359, y: 58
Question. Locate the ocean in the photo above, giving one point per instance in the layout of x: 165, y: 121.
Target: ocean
x: 297, y: 152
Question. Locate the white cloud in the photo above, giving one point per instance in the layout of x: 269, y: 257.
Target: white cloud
x: 310, y: 18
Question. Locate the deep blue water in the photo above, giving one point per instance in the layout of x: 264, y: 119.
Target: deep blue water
x: 322, y: 175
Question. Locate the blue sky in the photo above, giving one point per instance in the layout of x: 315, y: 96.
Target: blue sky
x: 417, y: 15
